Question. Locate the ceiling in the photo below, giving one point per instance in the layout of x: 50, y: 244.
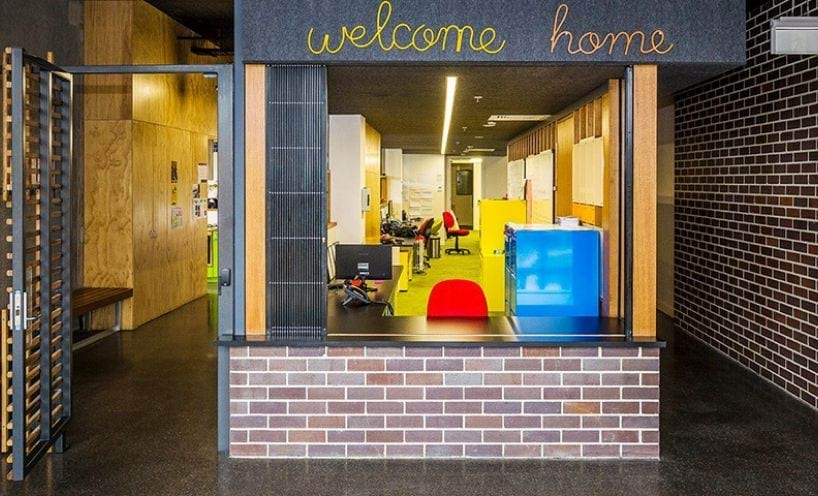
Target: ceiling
x: 212, y: 19
x: 406, y: 103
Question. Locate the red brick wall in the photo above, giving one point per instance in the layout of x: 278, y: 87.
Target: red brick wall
x: 746, y: 172
x: 450, y: 402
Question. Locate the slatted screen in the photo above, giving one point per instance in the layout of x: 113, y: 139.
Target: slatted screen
x: 297, y: 201
x: 36, y: 165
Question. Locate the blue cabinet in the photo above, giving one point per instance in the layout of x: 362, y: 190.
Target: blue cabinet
x: 552, y: 271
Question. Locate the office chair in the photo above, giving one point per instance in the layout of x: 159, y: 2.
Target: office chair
x: 453, y: 230
x: 423, y: 233
x: 457, y: 298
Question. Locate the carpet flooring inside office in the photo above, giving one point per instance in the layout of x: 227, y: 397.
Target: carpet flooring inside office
x: 413, y: 302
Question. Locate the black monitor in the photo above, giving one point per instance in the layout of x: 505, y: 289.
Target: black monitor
x: 372, y: 262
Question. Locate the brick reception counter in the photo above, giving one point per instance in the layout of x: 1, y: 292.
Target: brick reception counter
x: 445, y: 401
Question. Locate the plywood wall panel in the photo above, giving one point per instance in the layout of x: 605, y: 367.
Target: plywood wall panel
x: 564, y: 176
x: 255, y: 164
x: 169, y: 263
x: 644, y: 201
x: 183, y: 101
x: 611, y: 263
x: 108, y: 42
x: 108, y: 223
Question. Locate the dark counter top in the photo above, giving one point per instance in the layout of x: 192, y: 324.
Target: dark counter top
x: 493, y: 331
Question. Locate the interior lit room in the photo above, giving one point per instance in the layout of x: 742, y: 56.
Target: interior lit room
x: 445, y: 166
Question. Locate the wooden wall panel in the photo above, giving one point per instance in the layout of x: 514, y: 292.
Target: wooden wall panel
x: 255, y: 164
x: 644, y: 201
x: 108, y: 223
x: 563, y: 176
x: 611, y: 263
x: 170, y: 263
x: 372, y: 177
x: 183, y: 101
x: 109, y: 26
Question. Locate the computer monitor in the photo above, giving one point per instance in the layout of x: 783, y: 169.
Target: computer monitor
x: 365, y: 261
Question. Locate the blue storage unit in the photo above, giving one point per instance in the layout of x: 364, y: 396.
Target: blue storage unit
x: 552, y: 271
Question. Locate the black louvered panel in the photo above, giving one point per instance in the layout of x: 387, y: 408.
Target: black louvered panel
x: 296, y: 202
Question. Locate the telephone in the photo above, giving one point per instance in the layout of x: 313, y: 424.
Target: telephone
x: 356, y: 296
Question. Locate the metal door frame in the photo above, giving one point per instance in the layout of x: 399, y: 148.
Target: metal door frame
x: 227, y: 200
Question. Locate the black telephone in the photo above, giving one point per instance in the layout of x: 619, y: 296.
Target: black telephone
x: 355, y: 296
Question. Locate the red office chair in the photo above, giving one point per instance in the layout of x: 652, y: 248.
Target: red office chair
x: 453, y: 230
x: 457, y: 298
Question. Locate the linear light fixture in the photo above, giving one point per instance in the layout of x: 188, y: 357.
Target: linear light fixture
x: 451, y: 87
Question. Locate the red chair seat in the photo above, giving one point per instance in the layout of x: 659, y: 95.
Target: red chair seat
x: 457, y: 298
x: 458, y: 232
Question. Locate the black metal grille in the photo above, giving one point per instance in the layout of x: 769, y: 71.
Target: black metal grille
x: 296, y: 201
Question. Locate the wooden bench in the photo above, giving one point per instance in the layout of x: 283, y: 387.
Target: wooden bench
x: 85, y: 300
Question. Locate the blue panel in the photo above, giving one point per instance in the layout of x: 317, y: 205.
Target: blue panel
x: 553, y: 272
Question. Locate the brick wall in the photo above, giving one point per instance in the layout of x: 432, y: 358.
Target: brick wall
x: 746, y: 175
x: 444, y: 402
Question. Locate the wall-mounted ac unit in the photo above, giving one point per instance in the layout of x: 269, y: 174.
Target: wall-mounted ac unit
x: 795, y: 36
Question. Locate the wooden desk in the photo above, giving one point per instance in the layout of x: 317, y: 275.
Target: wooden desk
x: 385, y: 292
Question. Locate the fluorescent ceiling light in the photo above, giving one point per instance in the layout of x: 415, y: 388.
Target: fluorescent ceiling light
x: 479, y: 150
x: 518, y: 118
x: 451, y: 87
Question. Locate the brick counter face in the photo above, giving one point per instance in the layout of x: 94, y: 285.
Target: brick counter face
x: 444, y: 402
x: 746, y: 173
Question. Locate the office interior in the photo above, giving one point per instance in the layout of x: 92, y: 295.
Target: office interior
x: 523, y: 155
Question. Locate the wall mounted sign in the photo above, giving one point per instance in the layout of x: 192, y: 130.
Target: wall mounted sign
x: 511, y: 31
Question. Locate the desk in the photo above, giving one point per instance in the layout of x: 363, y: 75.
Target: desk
x: 386, y: 291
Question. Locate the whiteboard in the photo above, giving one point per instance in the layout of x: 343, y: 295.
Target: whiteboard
x: 516, y: 178
x: 588, y: 174
x: 540, y: 170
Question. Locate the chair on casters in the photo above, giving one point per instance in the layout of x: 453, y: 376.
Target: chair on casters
x: 457, y: 298
x: 423, y: 233
x: 453, y: 230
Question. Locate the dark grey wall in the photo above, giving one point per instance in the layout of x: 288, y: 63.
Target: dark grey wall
x: 40, y: 26
x: 702, y: 31
x: 43, y: 25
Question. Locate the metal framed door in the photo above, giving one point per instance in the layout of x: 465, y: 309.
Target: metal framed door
x: 37, y: 110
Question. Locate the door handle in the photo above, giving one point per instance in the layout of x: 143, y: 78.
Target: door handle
x: 225, y: 279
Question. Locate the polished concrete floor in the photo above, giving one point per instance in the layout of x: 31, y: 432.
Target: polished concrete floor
x: 144, y: 424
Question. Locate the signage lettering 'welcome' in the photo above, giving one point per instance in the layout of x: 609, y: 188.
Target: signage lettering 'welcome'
x: 402, y: 36
x: 422, y: 38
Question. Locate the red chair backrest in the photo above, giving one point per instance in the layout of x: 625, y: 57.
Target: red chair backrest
x: 424, y: 226
x: 457, y: 298
x: 448, y: 220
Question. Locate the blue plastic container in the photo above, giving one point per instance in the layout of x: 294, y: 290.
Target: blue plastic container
x: 552, y: 271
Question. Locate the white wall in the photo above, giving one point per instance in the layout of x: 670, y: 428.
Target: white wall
x: 347, y: 147
x: 495, y: 177
x: 393, y: 169
x: 427, y: 170
x: 665, y: 223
